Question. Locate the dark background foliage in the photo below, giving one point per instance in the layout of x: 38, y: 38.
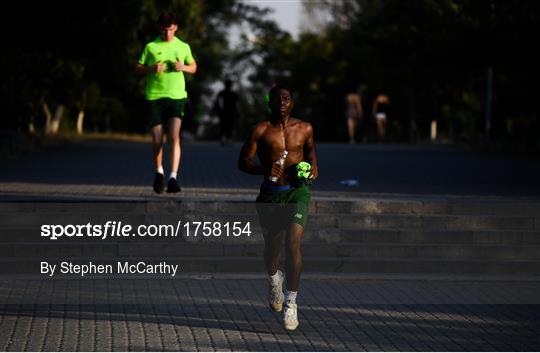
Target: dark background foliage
x: 431, y: 57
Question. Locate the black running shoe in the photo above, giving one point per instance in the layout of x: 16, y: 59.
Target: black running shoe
x: 159, y: 183
x: 172, y: 185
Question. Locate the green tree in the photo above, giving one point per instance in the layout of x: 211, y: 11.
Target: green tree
x: 430, y: 56
x: 61, y: 54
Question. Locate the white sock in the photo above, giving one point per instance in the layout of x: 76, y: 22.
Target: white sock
x: 290, y: 297
x: 274, y: 279
x: 172, y: 175
x: 160, y: 170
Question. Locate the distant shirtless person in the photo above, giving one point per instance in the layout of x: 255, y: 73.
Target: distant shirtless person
x: 353, y: 113
x: 282, y: 205
x: 380, y: 112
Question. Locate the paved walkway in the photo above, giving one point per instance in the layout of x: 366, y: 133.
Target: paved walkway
x: 230, y: 314
x: 205, y: 313
x: 123, y: 169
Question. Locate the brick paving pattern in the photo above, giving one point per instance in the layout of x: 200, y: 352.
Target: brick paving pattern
x: 231, y: 314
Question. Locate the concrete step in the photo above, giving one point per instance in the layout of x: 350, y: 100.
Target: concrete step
x: 316, y: 221
x: 420, y: 236
x: 431, y: 207
x: 13, y: 236
x: 342, y: 250
x: 420, y: 205
x: 22, y: 266
x: 338, y: 250
x: 371, y: 235
x: 429, y: 222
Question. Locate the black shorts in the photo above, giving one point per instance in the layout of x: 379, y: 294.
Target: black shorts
x: 161, y: 110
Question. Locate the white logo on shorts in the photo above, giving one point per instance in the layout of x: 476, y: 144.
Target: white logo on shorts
x: 298, y: 215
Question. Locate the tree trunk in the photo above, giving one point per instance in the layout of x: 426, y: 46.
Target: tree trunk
x: 55, y: 123
x: 80, y: 120
x: 80, y: 116
x: 52, y: 122
x: 31, y: 127
x: 48, y: 114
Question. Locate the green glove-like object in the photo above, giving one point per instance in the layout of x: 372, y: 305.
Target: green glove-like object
x: 303, y: 171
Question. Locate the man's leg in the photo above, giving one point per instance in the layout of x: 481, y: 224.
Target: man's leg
x: 351, y: 128
x: 174, y: 138
x: 293, y: 259
x: 157, y: 149
x: 229, y: 128
x: 222, y: 130
x: 381, y: 129
x: 273, y: 245
x: 293, y: 267
x: 157, y: 145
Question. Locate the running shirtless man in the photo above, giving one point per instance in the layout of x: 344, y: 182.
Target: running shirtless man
x: 282, y: 205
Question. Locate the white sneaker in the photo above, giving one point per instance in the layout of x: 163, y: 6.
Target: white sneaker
x: 290, y: 317
x: 276, y: 296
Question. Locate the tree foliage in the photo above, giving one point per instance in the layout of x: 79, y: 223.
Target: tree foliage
x: 81, y: 54
x: 431, y: 57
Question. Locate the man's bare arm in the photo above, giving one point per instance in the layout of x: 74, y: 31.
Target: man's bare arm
x: 309, y: 152
x: 248, y: 152
x: 358, y: 103
x: 190, y: 69
x: 143, y: 69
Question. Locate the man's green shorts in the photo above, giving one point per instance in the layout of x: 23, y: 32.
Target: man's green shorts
x: 162, y: 109
x: 279, y: 208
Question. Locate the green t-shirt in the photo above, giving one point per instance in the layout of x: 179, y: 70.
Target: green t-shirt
x: 170, y: 83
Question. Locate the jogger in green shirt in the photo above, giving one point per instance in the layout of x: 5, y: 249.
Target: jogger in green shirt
x: 164, y: 62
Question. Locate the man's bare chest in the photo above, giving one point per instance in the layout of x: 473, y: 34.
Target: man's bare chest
x: 289, y: 138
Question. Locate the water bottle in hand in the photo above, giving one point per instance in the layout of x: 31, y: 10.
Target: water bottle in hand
x: 280, y: 162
